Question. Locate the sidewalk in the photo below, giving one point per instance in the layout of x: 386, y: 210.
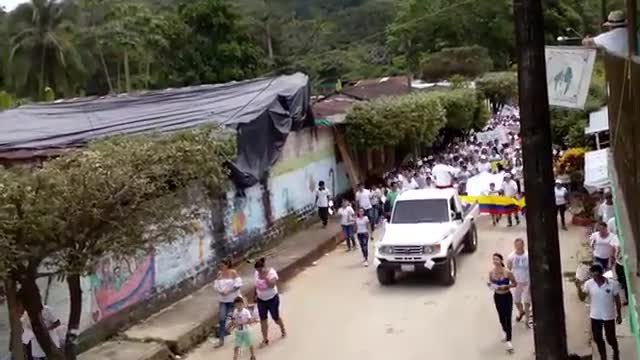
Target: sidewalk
x: 190, y: 321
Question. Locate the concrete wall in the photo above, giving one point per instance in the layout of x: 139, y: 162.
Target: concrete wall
x: 126, y: 289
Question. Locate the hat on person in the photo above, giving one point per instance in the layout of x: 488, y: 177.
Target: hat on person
x: 616, y: 18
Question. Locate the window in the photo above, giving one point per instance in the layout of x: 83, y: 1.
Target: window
x: 420, y: 211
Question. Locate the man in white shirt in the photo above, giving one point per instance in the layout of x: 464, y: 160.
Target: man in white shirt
x: 443, y: 175
x: 605, y: 210
x: 605, y: 310
x: 484, y: 165
x: 518, y: 264
x: 603, y: 244
x: 562, y: 198
x: 510, y: 189
x: 614, y: 41
x: 363, y: 201
x: 322, y: 202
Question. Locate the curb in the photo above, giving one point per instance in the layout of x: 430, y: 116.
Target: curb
x: 289, y: 271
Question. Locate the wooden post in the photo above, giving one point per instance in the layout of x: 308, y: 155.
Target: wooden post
x: 542, y: 227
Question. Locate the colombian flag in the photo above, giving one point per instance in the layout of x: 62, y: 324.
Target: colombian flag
x: 497, y: 205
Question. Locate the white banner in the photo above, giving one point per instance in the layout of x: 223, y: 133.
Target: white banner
x: 569, y: 70
x: 499, y: 133
x: 596, y: 170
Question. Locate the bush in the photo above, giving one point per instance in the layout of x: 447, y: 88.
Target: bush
x: 467, y: 61
x: 415, y: 119
x: 464, y: 108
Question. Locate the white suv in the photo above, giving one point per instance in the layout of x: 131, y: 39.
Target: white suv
x: 428, y: 228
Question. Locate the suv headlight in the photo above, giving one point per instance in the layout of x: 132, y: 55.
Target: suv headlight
x: 385, y: 250
x: 432, y: 249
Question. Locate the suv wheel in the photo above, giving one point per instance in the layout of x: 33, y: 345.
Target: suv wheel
x: 449, y: 270
x: 386, y: 276
x: 471, y: 240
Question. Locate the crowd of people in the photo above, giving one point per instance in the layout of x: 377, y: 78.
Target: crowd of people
x: 461, y: 160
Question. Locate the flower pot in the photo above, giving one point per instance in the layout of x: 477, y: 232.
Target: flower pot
x: 582, y: 220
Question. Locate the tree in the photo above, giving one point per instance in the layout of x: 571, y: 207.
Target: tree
x: 42, y: 51
x: 465, y: 109
x: 118, y: 197
x: 209, y: 46
x: 468, y: 61
x: 414, y: 119
x: 427, y: 26
x: 498, y: 87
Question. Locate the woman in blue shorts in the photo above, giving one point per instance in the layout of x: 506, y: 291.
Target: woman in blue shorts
x: 268, y: 299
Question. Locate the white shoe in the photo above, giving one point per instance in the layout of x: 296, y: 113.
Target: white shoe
x: 365, y: 263
x: 509, y: 346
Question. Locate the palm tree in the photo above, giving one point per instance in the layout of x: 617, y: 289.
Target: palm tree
x: 42, y: 50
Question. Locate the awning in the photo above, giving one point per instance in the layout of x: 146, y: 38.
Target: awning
x: 330, y: 120
x: 598, y: 121
x: 596, y: 170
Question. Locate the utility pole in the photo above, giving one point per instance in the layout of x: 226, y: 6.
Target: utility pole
x: 542, y: 227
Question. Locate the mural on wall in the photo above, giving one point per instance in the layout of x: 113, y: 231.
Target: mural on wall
x: 184, y: 258
x: 121, y: 282
x: 308, y: 157
x: 244, y: 215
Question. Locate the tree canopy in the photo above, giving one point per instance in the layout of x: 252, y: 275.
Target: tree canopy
x: 117, y: 197
x: 498, y: 87
x: 89, y: 47
x: 468, y: 61
x: 414, y: 119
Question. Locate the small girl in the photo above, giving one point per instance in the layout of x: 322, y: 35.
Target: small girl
x: 240, y: 321
x: 362, y: 232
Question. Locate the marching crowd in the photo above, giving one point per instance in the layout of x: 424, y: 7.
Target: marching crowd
x: 462, y: 159
x: 509, y: 278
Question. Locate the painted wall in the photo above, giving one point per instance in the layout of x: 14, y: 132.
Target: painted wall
x: 308, y: 157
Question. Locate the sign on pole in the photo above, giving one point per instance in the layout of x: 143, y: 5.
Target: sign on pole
x: 569, y: 70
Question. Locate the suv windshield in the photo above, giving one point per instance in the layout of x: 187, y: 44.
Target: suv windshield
x: 420, y: 211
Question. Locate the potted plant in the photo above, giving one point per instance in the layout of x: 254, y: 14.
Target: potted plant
x: 582, y: 206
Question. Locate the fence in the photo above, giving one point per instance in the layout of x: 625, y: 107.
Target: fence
x: 623, y: 77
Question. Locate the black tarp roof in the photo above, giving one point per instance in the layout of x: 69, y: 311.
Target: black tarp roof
x: 263, y: 111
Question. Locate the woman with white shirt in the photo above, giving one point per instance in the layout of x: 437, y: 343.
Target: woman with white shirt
x: 268, y: 299
x: 227, y: 285
x: 603, y: 244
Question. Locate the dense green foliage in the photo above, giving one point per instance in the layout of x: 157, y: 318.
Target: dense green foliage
x: 498, y: 87
x: 117, y: 197
x: 468, y: 61
x: 416, y: 119
x: 413, y: 119
x: 76, y: 208
x: 85, y: 47
x: 96, y: 47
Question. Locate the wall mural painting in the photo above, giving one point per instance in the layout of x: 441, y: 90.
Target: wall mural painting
x: 184, y: 258
x: 121, y: 282
x: 244, y: 216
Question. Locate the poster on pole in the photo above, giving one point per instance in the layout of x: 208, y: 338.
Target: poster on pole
x: 569, y: 70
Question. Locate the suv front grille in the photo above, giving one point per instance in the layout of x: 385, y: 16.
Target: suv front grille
x: 407, y: 250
